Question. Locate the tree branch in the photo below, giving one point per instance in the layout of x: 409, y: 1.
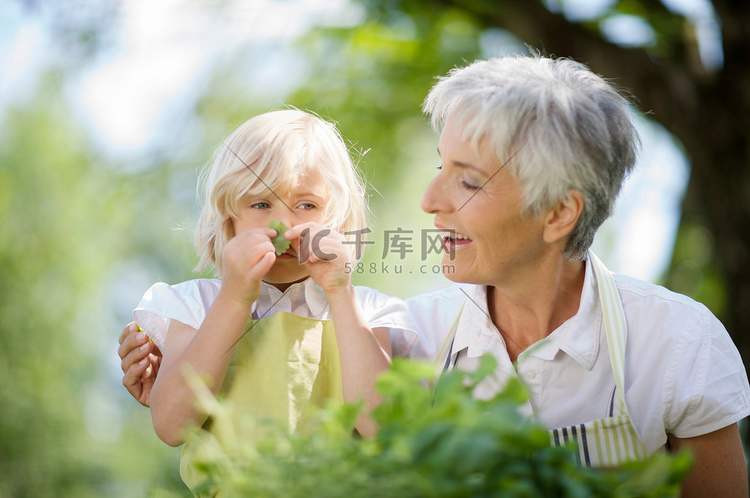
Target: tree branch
x: 656, y: 82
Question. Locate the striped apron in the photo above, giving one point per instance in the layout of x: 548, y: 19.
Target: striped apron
x: 605, y: 442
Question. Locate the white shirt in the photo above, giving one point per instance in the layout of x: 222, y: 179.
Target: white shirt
x: 188, y: 302
x: 683, y: 374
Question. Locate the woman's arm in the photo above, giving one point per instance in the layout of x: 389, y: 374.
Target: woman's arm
x: 720, y: 468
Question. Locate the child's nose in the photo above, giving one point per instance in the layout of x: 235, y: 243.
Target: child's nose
x: 287, y: 217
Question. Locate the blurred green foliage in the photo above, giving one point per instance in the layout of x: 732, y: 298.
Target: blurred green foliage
x: 449, y: 445
x: 75, y: 221
x: 67, y: 215
x: 694, y: 268
x: 372, y: 80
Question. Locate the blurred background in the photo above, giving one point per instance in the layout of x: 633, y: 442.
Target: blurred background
x: 108, y: 108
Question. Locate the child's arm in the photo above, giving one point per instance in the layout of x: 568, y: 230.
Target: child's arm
x: 364, y: 352
x: 208, y: 350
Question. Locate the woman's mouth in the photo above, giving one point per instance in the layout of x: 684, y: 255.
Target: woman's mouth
x: 455, y: 241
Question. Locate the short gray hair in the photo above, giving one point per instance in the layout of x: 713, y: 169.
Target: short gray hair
x: 568, y: 128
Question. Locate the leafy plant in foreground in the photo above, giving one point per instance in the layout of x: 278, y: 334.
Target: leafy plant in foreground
x: 446, y: 445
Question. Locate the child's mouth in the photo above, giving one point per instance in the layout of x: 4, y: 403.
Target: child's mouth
x: 289, y: 254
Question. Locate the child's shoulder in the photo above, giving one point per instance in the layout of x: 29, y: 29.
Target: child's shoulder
x: 198, y: 286
x: 374, y: 301
x: 369, y: 294
x: 200, y: 292
x: 384, y: 311
x: 186, y: 302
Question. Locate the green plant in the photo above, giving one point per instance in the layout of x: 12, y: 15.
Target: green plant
x: 446, y: 445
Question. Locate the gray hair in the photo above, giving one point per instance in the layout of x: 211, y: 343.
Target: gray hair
x: 568, y: 128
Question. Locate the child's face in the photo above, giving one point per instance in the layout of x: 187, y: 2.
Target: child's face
x: 301, y: 203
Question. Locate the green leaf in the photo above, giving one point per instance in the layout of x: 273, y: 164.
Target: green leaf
x: 280, y: 244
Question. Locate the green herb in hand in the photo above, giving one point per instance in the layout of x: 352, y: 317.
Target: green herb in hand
x: 280, y: 244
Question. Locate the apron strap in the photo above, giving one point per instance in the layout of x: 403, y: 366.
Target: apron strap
x: 615, y: 325
x: 442, y: 362
x: 612, y: 440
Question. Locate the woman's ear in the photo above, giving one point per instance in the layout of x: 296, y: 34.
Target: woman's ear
x: 560, y: 221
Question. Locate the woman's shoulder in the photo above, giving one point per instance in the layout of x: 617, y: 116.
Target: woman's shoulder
x: 649, y: 303
x: 681, y: 358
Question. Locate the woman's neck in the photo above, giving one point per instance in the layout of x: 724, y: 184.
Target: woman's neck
x: 528, y: 313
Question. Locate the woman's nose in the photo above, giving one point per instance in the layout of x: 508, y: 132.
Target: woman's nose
x: 434, y: 199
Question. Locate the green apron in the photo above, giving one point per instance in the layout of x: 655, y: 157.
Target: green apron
x: 605, y: 442
x: 280, y: 369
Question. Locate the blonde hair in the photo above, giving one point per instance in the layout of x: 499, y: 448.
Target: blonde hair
x: 271, y: 152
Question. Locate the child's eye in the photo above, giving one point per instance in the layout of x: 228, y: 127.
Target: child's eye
x: 260, y: 205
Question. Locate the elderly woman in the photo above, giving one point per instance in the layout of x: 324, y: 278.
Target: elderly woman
x: 534, y: 152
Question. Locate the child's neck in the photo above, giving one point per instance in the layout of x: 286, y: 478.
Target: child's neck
x: 283, y: 286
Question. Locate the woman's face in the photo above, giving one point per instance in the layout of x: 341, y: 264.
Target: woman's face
x: 474, y: 196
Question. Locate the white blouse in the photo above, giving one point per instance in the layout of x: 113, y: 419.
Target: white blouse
x: 683, y: 374
x: 188, y: 302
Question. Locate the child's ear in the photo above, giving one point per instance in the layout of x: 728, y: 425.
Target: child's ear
x: 560, y: 221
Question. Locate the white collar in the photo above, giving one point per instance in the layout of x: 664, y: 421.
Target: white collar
x: 307, y: 292
x: 474, y: 326
x: 578, y: 336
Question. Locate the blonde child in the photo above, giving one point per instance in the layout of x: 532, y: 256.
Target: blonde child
x: 274, y: 335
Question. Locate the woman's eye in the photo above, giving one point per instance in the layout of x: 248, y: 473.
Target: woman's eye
x: 469, y: 186
x: 260, y: 205
x: 307, y: 206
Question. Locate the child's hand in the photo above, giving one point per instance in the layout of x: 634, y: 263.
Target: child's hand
x: 248, y: 256
x: 325, y: 254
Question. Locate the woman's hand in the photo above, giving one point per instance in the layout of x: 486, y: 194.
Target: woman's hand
x: 140, y: 361
x: 248, y: 256
x: 325, y: 254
